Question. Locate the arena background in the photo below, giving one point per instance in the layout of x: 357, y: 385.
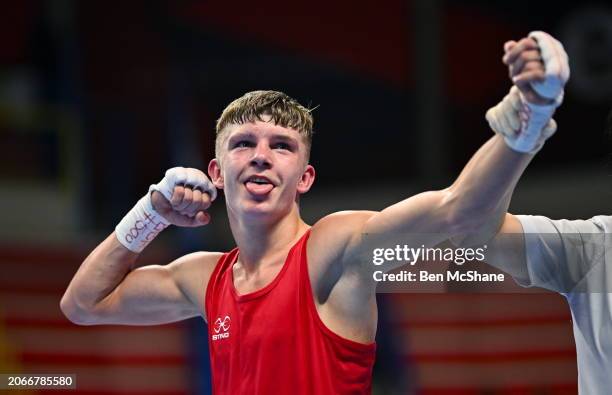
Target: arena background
x: 98, y: 99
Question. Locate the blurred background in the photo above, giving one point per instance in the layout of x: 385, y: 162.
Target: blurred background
x: 98, y: 99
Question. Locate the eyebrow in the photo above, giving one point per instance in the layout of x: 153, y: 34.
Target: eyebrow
x: 241, y: 135
x: 285, y: 138
x: 275, y: 137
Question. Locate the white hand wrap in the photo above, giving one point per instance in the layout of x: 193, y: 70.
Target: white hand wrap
x: 184, y: 176
x: 525, y: 126
x: 556, y: 67
x: 140, y: 225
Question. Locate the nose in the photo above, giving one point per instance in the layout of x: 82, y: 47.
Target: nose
x: 261, y: 156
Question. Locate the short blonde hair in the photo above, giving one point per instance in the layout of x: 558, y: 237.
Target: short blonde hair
x: 283, y: 110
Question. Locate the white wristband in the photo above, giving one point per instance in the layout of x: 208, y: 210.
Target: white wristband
x: 534, y: 119
x: 525, y: 126
x: 140, y: 225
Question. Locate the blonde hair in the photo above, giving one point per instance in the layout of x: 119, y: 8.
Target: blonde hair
x: 282, y: 109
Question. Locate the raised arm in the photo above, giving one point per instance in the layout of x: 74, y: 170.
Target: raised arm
x: 108, y: 290
x: 477, y: 201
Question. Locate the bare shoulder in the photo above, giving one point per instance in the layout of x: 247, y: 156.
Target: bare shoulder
x: 333, y: 236
x: 192, y: 272
x: 338, y: 231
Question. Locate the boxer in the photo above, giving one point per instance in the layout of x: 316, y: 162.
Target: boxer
x: 292, y: 309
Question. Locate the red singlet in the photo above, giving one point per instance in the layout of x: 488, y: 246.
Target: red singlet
x: 272, y: 341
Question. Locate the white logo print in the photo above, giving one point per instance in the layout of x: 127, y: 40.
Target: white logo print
x: 221, y: 328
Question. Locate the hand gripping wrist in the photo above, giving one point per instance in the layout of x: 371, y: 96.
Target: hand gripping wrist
x: 525, y: 126
x: 140, y: 225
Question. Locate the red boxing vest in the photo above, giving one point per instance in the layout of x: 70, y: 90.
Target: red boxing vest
x: 272, y: 341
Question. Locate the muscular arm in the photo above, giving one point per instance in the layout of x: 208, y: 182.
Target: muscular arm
x: 341, y: 245
x: 475, y: 204
x: 478, y: 198
x: 106, y: 291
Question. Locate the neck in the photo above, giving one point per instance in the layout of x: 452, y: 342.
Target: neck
x: 260, y: 241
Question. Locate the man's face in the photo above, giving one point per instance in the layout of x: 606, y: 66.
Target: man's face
x: 262, y: 169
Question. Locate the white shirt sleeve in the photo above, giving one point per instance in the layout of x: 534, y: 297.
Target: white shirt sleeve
x: 561, y: 253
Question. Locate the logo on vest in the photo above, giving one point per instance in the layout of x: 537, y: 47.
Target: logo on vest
x: 221, y: 328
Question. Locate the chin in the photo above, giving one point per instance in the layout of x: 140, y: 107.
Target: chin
x: 264, y: 210
x: 258, y: 208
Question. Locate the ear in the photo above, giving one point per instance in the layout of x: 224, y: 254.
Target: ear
x: 214, y: 172
x: 307, y: 180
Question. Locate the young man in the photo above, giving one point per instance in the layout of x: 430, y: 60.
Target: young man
x: 292, y: 310
x: 573, y: 258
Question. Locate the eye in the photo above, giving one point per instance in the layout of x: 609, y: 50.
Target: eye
x: 242, y: 144
x: 283, y: 146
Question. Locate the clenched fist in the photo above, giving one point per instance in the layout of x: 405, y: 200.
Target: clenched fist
x: 183, y: 196
x: 538, y: 66
x: 539, y: 69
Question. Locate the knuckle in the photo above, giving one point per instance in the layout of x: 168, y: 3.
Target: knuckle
x: 177, y: 193
x: 172, y: 171
x: 532, y: 42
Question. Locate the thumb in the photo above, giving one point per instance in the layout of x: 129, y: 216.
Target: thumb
x: 201, y: 218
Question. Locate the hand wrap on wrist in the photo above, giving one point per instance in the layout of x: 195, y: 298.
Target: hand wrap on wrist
x: 140, y: 225
x: 525, y: 126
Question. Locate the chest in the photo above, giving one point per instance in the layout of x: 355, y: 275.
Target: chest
x: 245, y: 284
x: 257, y: 322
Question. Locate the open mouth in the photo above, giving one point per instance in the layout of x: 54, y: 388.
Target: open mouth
x: 258, y: 185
